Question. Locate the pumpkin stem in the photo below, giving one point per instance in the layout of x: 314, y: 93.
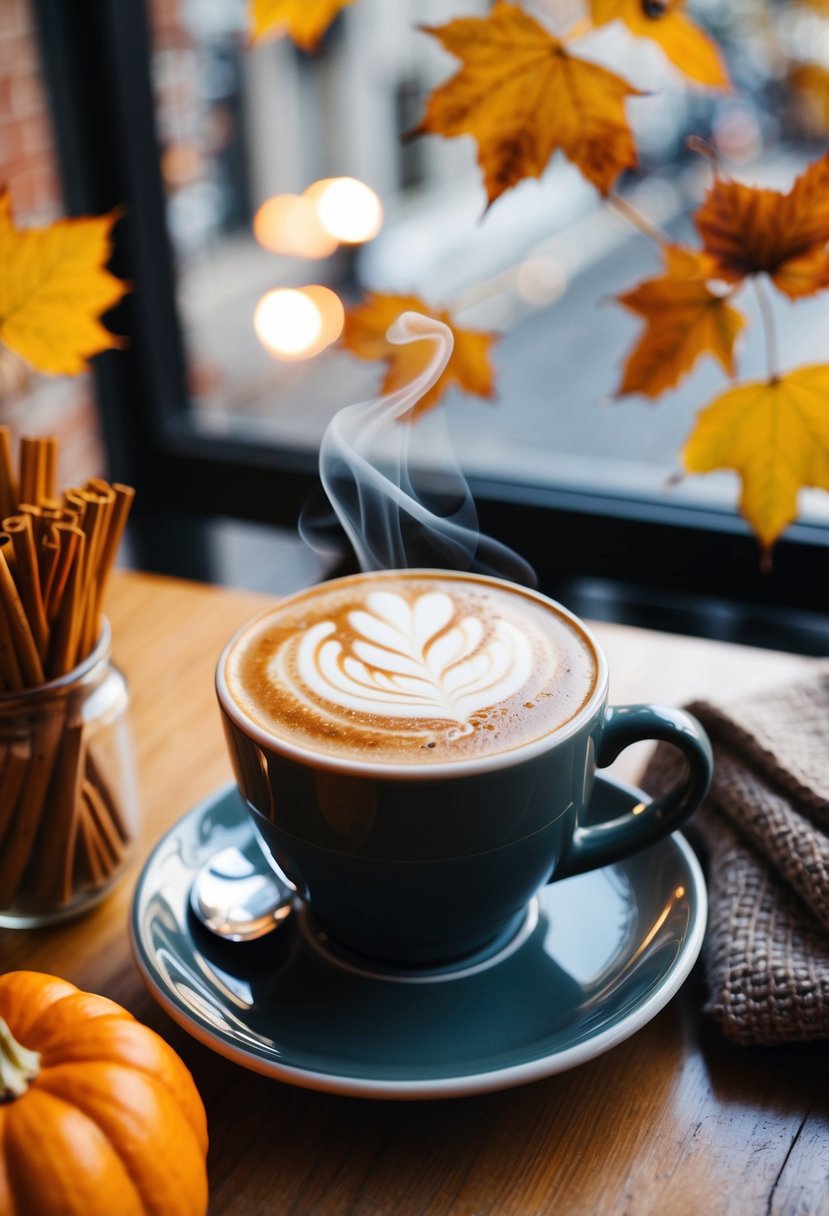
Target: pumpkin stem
x: 18, y: 1065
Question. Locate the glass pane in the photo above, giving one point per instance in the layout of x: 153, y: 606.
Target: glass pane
x: 248, y: 129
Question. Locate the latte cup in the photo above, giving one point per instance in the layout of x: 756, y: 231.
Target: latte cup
x: 418, y: 751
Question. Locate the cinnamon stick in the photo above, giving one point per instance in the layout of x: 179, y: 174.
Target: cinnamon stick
x: 95, y: 525
x: 58, y: 829
x: 69, y: 538
x: 64, y: 644
x: 97, y: 777
x: 65, y: 887
x: 110, y: 840
x: 48, y: 561
x: 8, y: 482
x: 31, y: 469
x: 75, y: 502
x: 19, y: 528
x: 123, y: 499
x: 11, y: 782
x: 18, y: 846
x: 9, y: 667
x: 27, y: 653
x: 50, y: 468
x: 86, y: 870
x: 93, y: 867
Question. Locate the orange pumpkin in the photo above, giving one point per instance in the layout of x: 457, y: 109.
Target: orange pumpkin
x: 98, y: 1115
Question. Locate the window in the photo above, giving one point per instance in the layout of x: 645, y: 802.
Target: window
x: 171, y: 113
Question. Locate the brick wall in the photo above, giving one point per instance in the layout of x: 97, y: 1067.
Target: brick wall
x: 32, y: 403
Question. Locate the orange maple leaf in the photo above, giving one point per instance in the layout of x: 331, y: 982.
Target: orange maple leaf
x: 685, y: 318
x: 809, y: 83
x: 522, y: 96
x: 687, y: 46
x: 303, y: 20
x: 54, y: 286
x: 775, y: 434
x: 469, y: 368
x: 752, y: 231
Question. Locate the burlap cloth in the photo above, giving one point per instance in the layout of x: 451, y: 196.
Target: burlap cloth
x: 764, y: 832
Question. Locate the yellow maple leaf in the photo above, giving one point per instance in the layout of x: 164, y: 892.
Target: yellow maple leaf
x: 688, y: 47
x: 523, y: 96
x: 775, y: 434
x: 469, y: 368
x: 755, y: 231
x: 685, y: 318
x: 54, y: 286
x: 305, y: 21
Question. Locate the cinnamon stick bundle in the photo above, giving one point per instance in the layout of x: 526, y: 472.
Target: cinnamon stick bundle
x: 62, y: 828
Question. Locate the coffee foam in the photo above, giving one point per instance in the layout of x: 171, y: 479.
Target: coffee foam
x: 417, y: 667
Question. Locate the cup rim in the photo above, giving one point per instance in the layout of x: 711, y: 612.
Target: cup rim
x: 472, y: 766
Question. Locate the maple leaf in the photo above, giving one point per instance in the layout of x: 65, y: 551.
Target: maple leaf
x: 684, y: 318
x: 54, y: 286
x: 810, y: 84
x: 754, y: 231
x: 469, y: 368
x: 688, y: 47
x: 305, y: 21
x: 775, y: 434
x: 522, y: 96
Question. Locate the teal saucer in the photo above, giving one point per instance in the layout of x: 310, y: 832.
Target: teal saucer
x: 596, y: 958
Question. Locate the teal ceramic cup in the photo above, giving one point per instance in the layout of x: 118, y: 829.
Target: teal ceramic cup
x: 429, y: 865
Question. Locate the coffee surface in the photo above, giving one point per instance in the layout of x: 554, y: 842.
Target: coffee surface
x: 411, y: 668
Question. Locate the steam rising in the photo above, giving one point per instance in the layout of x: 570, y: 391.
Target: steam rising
x: 387, y: 522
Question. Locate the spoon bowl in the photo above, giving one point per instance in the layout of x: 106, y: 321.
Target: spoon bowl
x: 239, y: 899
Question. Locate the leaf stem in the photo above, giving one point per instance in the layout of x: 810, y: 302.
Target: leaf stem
x: 477, y: 293
x: 635, y: 217
x: 769, y: 328
x: 707, y: 150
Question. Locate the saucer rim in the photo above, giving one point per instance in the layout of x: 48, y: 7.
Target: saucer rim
x: 507, y: 1077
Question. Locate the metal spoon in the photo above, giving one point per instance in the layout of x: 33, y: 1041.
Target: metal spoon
x: 238, y: 899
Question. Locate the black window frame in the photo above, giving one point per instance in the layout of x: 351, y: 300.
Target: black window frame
x: 96, y: 58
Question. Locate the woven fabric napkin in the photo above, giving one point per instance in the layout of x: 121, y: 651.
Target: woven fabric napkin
x: 765, y: 830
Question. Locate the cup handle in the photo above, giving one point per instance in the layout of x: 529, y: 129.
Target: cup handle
x: 601, y: 843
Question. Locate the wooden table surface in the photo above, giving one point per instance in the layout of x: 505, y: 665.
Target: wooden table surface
x: 673, y: 1121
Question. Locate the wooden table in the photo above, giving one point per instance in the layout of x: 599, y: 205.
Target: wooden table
x: 673, y: 1121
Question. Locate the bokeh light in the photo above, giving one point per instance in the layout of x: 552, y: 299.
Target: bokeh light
x: 180, y: 165
x: 348, y: 210
x: 298, y: 323
x: 541, y: 280
x: 288, y: 324
x: 290, y: 224
x: 331, y: 312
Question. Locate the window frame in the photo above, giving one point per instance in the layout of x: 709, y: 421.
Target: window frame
x: 96, y: 61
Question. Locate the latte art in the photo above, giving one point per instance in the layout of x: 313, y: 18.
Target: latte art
x: 414, y: 660
x: 411, y: 667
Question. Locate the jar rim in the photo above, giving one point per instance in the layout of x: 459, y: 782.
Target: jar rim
x: 98, y: 654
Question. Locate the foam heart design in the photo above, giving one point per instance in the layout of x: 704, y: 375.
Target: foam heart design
x: 423, y: 659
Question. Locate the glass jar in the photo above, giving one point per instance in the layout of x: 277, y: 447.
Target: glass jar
x: 68, y: 804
